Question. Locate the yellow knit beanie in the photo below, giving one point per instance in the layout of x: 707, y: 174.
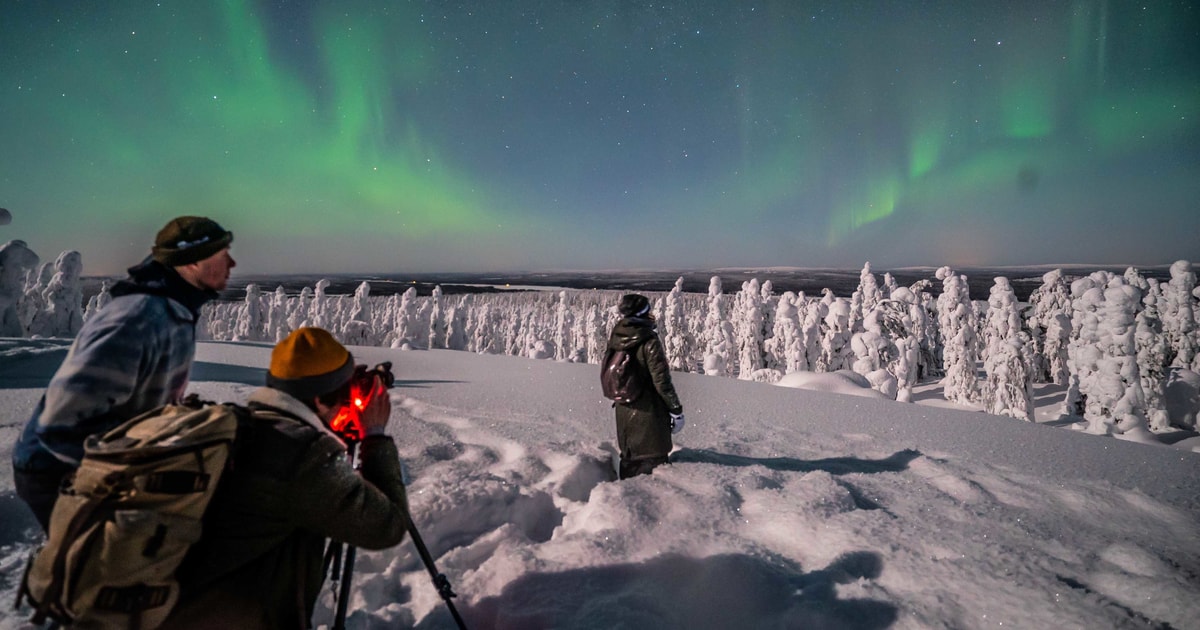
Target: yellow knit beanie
x: 309, y: 363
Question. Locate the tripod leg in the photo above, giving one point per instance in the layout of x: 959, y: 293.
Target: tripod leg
x: 343, y: 601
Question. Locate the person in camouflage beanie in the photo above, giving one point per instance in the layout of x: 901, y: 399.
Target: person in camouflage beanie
x: 133, y: 356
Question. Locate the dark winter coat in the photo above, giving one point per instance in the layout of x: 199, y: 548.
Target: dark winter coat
x: 258, y: 563
x: 133, y: 356
x: 644, y: 426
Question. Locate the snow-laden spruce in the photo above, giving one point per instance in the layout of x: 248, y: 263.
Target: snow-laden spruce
x: 61, y: 299
x: 957, y: 324
x: 16, y: 260
x: 1008, y: 389
x: 718, y: 334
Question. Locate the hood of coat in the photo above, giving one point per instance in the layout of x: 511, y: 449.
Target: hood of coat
x: 289, y: 405
x: 154, y: 278
x: 630, y: 332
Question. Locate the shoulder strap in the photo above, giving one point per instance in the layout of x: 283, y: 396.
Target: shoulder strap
x: 254, y: 407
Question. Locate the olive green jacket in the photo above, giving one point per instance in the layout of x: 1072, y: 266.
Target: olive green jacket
x: 644, y: 426
x: 291, y: 486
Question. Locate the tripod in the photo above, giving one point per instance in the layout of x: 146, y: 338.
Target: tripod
x: 346, y: 566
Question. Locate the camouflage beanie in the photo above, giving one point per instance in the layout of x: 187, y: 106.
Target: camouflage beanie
x: 633, y: 305
x: 185, y: 240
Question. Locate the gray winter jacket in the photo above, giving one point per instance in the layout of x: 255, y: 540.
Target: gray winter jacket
x: 133, y: 356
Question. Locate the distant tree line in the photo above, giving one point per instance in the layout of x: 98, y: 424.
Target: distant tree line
x: 1117, y: 342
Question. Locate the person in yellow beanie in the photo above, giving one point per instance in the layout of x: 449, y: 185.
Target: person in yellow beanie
x: 134, y: 355
x: 258, y: 563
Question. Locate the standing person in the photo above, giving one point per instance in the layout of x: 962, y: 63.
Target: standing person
x: 133, y: 356
x: 258, y: 563
x: 644, y: 426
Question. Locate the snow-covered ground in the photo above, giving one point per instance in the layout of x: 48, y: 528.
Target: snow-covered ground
x: 784, y: 507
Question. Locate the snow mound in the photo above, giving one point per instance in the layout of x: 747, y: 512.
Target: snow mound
x: 839, y: 382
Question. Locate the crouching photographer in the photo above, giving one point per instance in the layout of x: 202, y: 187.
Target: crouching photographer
x: 292, y: 487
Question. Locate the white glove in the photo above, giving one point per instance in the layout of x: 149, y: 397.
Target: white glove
x: 676, y: 422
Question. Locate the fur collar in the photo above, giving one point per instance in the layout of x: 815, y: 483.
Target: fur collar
x: 288, y: 404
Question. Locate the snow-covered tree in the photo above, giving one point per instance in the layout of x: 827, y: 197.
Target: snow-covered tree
x: 564, y: 321
x: 62, y: 300
x: 889, y: 286
x: 1054, y: 353
x: 406, y: 334
x: 1153, y: 358
x: 836, y: 353
x: 357, y: 330
x: 277, y: 316
x: 906, y: 367
x: 718, y: 334
x: 922, y: 317
x: 483, y: 340
x: 456, y: 323
x: 868, y: 296
x: 677, y: 340
x: 1178, y: 314
x: 597, y: 334
x: 812, y: 320
x: 1083, y: 352
x: 767, y: 308
x: 437, y: 320
x: 1050, y: 308
x: 869, y: 349
x: 1008, y: 389
x: 250, y: 324
x: 97, y: 302
x: 31, y: 302
x: 1116, y: 402
x: 299, y: 310
x: 880, y: 345
x: 956, y: 319
x: 784, y: 349
x: 748, y: 328
x: 16, y: 261
x: 320, y: 315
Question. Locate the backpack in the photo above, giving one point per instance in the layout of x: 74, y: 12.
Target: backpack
x: 620, y: 377
x: 123, y: 523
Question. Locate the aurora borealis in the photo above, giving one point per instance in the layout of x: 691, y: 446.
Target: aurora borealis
x: 381, y: 136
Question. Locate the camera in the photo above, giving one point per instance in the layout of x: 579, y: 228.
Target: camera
x: 361, y: 388
x: 363, y: 378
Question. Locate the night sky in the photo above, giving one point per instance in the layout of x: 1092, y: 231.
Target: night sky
x: 379, y: 136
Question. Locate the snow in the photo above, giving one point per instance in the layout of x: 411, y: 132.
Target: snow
x: 783, y: 508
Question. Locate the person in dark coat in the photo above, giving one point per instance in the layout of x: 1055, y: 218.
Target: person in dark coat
x: 291, y: 487
x: 644, y: 426
x: 133, y: 356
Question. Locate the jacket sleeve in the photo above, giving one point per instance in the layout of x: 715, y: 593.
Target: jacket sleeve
x: 660, y: 373
x: 331, y: 498
x: 98, y: 377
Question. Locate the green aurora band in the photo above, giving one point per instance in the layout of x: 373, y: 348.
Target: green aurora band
x: 513, y: 132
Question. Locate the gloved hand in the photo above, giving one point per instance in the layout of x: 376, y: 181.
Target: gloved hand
x: 676, y: 422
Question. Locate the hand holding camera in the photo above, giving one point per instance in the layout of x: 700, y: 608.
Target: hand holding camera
x: 369, y: 408
x: 375, y: 414
x: 376, y: 407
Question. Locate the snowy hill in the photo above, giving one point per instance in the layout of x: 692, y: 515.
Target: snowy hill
x: 784, y: 508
